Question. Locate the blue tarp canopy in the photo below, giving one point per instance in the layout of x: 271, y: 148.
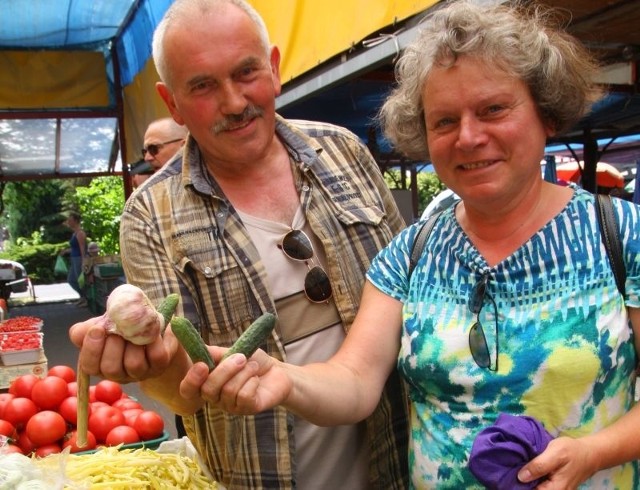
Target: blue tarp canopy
x: 65, y: 69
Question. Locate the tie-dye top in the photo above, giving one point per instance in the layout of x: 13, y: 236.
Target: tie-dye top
x: 566, y: 354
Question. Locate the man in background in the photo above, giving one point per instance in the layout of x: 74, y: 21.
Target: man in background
x: 162, y: 140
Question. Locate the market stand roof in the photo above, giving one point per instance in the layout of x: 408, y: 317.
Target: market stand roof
x: 76, y: 75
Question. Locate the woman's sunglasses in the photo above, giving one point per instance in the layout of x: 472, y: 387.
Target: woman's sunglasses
x: 477, y: 339
x: 297, y: 246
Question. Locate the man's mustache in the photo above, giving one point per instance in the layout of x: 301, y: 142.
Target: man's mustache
x: 234, y: 120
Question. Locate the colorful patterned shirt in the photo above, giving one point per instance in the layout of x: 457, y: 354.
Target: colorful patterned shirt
x: 553, y: 316
x: 180, y: 233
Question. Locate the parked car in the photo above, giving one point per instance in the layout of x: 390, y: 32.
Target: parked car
x: 13, y: 278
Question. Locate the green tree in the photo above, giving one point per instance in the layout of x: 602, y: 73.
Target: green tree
x: 429, y: 185
x: 32, y: 206
x: 101, y: 203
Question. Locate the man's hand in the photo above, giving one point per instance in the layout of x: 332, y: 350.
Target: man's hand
x: 112, y: 357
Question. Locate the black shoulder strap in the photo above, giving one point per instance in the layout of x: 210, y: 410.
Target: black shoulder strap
x: 610, y: 234
x: 420, y: 240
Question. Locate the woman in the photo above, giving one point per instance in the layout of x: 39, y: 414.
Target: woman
x: 513, y: 306
x: 77, y: 252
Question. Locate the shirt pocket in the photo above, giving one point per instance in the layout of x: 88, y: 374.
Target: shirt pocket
x: 216, y: 281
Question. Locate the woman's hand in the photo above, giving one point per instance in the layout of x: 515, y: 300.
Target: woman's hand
x: 237, y: 385
x: 566, y: 463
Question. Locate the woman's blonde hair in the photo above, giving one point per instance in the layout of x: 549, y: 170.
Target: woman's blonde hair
x: 526, y: 42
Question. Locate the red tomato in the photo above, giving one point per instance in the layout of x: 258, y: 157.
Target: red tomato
x: 103, y: 419
x: 71, y: 441
x: 108, y: 391
x: 10, y: 448
x: 47, y: 449
x: 7, y: 429
x: 22, y: 385
x: 46, y: 427
x: 49, y: 392
x: 123, y: 434
x: 4, y: 398
x: 92, y: 393
x: 65, y: 372
x: 126, y: 403
x: 131, y: 414
x: 25, y: 443
x: 73, y: 388
x: 149, y: 425
x: 19, y: 410
x: 69, y: 409
x: 97, y: 405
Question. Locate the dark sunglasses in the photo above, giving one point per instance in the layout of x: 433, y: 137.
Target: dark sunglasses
x: 477, y: 339
x: 296, y: 245
x: 154, y: 149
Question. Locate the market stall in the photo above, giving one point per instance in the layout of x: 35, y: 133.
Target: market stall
x: 128, y: 445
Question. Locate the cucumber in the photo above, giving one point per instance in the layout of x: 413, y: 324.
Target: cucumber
x: 167, y: 308
x: 253, y: 336
x: 191, y: 341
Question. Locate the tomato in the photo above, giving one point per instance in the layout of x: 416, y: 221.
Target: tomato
x: 4, y: 398
x: 69, y: 409
x: 65, y: 372
x: 25, y: 443
x: 22, y: 385
x: 49, y: 392
x: 97, y: 405
x: 47, y: 449
x: 73, y: 388
x: 46, y: 427
x: 131, y: 414
x: 71, y: 441
x: 149, y: 425
x: 108, y: 391
x: 19, y: 410
x: 122, y: 434
x: 7, y: 429
x: 126, y: 403
x: 103, y: 419
x: 92, y: 393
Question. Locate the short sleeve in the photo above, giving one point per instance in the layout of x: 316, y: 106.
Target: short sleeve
x: 389, y: 269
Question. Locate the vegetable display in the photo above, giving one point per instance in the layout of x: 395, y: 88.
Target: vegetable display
x: 107, y: 468
x: 21, y: 324
x: 40, y: 415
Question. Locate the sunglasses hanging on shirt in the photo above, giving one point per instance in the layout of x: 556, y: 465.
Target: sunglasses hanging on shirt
x: 296, y: 245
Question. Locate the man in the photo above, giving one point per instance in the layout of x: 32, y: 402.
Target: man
x: 259, y: 214
x: 162, y: 140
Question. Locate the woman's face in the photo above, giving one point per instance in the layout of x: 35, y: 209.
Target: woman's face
x: 485, y: 135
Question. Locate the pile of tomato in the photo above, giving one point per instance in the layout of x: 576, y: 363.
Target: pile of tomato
x: 21, y: 324
x: 38, y: 415
x: 20, y: 341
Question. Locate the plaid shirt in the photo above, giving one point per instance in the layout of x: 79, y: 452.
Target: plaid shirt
x: 180, y: 233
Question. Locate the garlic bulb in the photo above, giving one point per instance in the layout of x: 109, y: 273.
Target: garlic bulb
x: 131, y: 315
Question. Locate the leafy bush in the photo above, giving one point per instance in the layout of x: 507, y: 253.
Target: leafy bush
x: 38, y: 259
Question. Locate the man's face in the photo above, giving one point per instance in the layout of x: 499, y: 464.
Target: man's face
x: 224, y: 85
x: 159, y: 146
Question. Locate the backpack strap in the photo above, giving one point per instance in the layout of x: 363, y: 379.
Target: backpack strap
x: 610, y: 235
x: 421, y: 238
